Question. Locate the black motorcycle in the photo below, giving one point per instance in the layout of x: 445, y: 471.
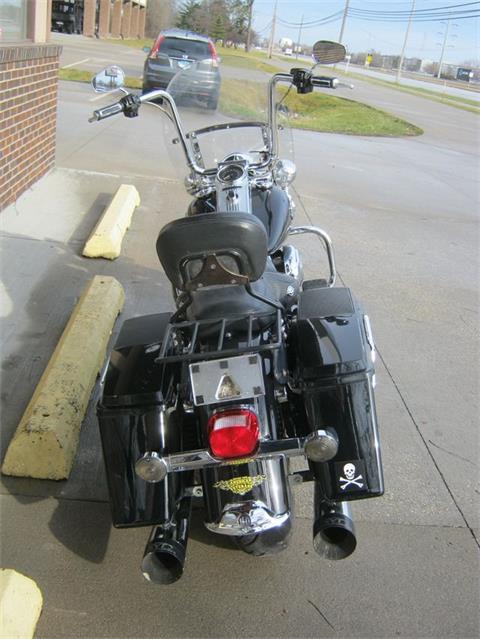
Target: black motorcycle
x: 256, y: 366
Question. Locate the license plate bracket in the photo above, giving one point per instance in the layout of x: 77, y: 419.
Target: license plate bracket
x: 226, y: 380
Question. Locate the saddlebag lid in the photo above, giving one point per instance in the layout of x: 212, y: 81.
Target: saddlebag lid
x: 330, y: 334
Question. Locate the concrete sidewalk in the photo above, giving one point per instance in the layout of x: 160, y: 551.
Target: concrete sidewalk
x: 412, y: 575
x: 408, y: 253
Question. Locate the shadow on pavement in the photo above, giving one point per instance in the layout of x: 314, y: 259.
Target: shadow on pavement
x: 82, y: 527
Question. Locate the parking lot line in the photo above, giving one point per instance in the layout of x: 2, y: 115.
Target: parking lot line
x: 74, y: 64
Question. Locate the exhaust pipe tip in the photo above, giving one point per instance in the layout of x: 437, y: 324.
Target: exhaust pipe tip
x: 334, y: 531
x: 163, y: 562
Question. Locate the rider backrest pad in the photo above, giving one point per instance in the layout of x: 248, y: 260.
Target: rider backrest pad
x: 211, y: 249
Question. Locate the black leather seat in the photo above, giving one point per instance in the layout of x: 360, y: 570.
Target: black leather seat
x: 229, y: 301
x: 238, y: 245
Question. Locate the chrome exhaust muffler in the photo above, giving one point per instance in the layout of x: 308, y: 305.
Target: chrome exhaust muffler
x: 333, y: 528
x: 164, y: 555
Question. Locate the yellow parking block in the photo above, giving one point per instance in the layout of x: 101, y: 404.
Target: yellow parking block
x: 106, y: 239
x: 46, y: 439
x: 20, y: 605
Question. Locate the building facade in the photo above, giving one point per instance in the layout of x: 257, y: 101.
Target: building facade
x: 28, y: 95
x: 100, y: 18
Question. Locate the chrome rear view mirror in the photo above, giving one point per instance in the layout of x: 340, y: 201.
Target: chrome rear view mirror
x: 326, y: 52
x: 110, y: 78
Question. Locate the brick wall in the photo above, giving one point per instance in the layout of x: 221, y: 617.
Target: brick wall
x: 28, y: 113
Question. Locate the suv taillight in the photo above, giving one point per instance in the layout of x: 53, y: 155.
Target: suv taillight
x: 156, y: 47
x: 213, y: 53
x: 233, y: 433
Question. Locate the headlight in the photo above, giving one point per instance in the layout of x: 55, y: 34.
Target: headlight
x: 284, y: 172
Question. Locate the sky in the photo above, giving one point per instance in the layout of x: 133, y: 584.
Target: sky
x: 425, y: 38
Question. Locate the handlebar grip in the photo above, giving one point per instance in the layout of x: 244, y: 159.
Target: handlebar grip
x: 107, y: 112
x: 325, y: 81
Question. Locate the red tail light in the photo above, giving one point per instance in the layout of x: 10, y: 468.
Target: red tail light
x: 233, y: 433
x: 213, y: 51
x: 156, y: 46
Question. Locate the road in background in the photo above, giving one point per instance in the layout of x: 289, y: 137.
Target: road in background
x: 446, y: 87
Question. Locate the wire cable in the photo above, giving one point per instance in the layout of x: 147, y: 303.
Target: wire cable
x: 310, y: 22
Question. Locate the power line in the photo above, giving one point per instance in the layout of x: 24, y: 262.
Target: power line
x: 432, y: 19
x: 449, y: 12
x: 309, y: 26
x: 311, y: 22
x: 417, y: 11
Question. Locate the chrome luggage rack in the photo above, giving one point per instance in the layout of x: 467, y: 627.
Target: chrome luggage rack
x: 181, y: 341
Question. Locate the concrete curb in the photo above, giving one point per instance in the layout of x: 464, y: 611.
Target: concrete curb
x: 46, y: 439
x: 20, y: 605
x: 106, y: 238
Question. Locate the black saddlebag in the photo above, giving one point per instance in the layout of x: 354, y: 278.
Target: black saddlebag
x: 335, y: 355
x: 134, y: 418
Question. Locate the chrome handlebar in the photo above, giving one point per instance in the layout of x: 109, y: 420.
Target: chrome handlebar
x: 271, y: 151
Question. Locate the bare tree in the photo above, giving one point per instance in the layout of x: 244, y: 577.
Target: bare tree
x: 160, y: 15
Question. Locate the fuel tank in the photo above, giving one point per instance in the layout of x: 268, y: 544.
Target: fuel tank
x: 271, y: 206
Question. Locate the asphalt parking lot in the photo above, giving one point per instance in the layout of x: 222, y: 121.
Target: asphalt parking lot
x: 403, y: 215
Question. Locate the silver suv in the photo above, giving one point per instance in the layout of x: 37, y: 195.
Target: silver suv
x: 176, y: 50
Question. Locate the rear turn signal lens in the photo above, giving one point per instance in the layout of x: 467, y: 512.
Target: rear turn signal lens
x: 233, y: 433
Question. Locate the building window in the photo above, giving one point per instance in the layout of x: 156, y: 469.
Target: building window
x: 13, y: 20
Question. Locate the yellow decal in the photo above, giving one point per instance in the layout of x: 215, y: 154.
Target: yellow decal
x: 240, y: 485
x: 239, y: 462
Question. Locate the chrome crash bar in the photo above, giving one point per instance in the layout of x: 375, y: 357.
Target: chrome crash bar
x: 300, y: 230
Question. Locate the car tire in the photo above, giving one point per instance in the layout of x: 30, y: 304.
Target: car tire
x: 212, y: 102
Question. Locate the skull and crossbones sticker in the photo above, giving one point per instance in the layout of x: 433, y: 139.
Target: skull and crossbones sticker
x: 350, y: 476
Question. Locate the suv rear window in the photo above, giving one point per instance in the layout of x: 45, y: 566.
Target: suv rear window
x: 178, y: 47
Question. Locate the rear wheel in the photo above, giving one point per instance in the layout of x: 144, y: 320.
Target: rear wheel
x: 212, y: 102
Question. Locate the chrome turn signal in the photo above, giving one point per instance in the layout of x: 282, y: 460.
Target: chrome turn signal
x: 321, y: 446
x: 151, y: 467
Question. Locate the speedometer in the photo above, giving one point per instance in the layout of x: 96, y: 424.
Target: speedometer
x: 230, y: 173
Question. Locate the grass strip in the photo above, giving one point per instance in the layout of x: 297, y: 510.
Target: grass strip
x: 79, y: 75
x: 314, y: 111
x: 239, y: 59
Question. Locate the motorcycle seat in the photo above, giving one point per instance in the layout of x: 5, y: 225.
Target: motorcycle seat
x: 230, y: 301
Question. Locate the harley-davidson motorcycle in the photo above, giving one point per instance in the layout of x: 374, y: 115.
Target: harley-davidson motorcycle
x: 257, y: 365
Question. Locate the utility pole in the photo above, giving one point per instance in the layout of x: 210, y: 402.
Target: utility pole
x: 272, y: 34
x: 399, y: 70
x: 443, y: 49
x: 342, y: 28
x: 249, y: 29
x: 299, y: 36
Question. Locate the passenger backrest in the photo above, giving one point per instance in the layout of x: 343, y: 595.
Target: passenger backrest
x: 212, y: 249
